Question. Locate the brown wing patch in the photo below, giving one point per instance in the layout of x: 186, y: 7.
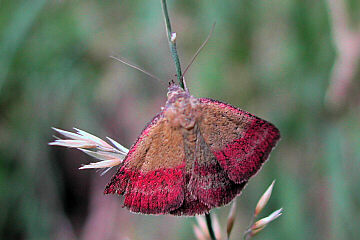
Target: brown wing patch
x: 152, y: 175
x: 220, y: 125
x: 240, y: 141
x: 160, y: 146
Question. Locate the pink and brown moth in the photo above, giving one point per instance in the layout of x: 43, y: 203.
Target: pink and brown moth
x: 195, y: 155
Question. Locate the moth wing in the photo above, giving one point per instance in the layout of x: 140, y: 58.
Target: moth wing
x: 209, y: 182
x: 240, y: 141
x: 152, y: 175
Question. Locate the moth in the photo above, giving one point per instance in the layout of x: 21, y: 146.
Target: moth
x: 195, y: 155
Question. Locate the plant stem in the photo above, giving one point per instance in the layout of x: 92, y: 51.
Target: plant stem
x: 172, y: 44
x: 209, y: 225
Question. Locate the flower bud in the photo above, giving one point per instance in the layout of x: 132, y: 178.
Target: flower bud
x: 264, y: 199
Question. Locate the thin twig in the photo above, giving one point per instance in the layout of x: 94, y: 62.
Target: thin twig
x: 209, y: 225
x: 172, y: 44
x: 175, y: 56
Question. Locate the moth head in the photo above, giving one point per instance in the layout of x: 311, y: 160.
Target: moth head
x: 181, y: 108
x: 174, y: 90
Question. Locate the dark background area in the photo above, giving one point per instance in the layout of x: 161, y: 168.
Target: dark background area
x: 290, y: 62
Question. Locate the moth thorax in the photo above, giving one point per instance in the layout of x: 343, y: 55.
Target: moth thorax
x: 182, y: 112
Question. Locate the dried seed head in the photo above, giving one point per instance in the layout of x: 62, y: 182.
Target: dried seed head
x: 73, y: 143
x: 216, y: 226
x: 198, y: 233
x: 108, y: 155
x: 231, y: 219
x: 264, y: 199
x: 202, y: 225
x: 256, y: 231
x: 264, y: 221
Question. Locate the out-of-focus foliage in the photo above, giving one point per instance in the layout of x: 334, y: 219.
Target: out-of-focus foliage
x: 272, y: 58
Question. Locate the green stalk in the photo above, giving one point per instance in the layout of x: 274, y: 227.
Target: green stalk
x: 209, y: 225
x: 172, y: 44
x: 175, y: 56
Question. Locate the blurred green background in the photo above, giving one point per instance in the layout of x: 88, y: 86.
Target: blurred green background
x: 271, y: 58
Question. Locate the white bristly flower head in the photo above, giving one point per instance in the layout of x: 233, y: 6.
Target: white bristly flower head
x: 108, y: 155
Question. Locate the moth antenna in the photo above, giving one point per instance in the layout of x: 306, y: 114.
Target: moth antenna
x: 199, y: 50
x: 138, y: 68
